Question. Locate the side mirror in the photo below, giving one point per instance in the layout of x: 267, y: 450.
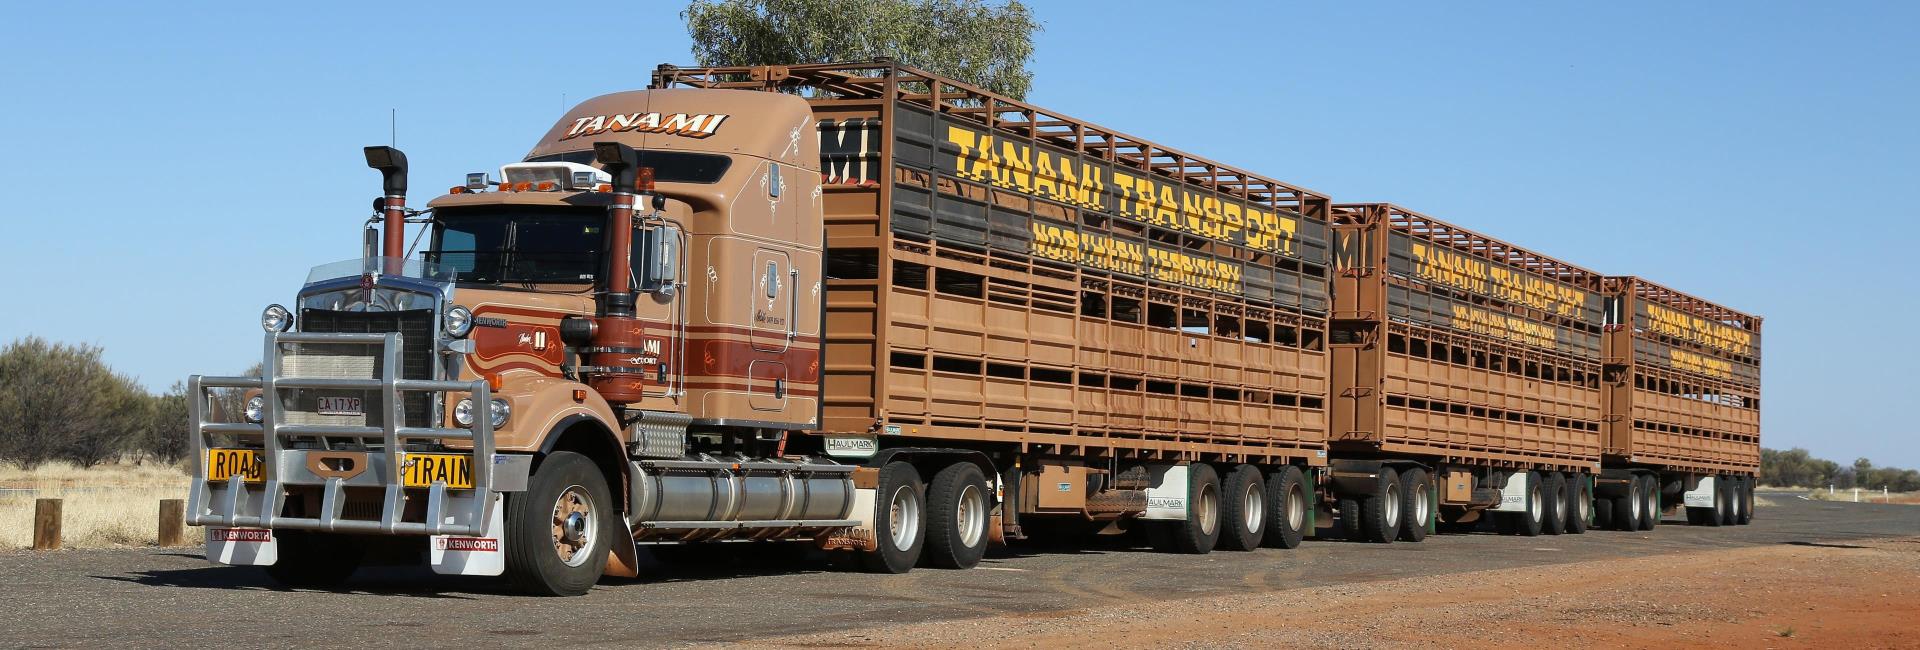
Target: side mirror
x: 659, y: 264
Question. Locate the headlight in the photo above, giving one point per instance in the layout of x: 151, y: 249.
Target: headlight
x: 459, y: 322
x: 463, y: 413
x: 276, y: 319
x: 498, y: 410
x: 256, y: 408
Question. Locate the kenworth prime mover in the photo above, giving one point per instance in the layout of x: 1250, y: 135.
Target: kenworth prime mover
x: 901, y: 318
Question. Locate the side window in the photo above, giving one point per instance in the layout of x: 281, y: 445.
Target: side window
x: 773, y: 180
x: 772, y: 281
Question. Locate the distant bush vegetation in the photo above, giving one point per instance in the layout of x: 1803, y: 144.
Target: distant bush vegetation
x: 60, y: 402
x: 1797, y: 468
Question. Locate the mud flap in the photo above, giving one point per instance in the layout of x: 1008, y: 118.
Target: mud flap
x: 1167, y: 496
x: 1513, y: 496
x: 624, y: 560
x: 1702, y: 494
x: 471, y: 556
x: 242, y: 546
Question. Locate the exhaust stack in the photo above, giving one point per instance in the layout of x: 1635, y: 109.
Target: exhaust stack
x: 618, y: 354
x: 393, y: 184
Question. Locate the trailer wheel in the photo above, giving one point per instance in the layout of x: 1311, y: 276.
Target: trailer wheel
x: 957, y: 525
x: 1746, y: 500
x: 1723, y: 501
x: 1287, y: 511
x: 1416, y: 508
x: 1529, y: 523
x: 1349, y: 508
x: 1200, y: 531
x: 899, y: 506
x: 1580, y: 511
x: 1243, y: 509
x: 1380, y: 512
x: 557, y: 531
x: 1650, y: 502
x: 1553, y: 518
x: 312, y: 560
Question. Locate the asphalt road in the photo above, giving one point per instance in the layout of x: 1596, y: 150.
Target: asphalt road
x: 173, y: 597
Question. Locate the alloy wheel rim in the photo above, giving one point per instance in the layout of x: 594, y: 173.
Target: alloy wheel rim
x: 903, y: 518
x: 575, y: 527
x: 971, y: 516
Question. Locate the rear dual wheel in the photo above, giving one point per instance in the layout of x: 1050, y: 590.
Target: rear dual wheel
x: 1532, y: 521
x: 1580, y: 505
x: 957, y: 526
x: 1200, y: 531
x: 1553, y: 519
x: 1287, y: 508
x: 1244, y: 512
x: 899, y: 520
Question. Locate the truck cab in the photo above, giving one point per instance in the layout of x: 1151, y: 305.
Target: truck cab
x: 606, y: 342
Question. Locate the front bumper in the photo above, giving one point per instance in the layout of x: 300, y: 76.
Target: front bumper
x: 356, y: 487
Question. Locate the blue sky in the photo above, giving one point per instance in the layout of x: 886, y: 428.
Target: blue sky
x: 177, y: 167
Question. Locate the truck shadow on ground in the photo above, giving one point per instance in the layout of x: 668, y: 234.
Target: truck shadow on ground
x: 415, y: 582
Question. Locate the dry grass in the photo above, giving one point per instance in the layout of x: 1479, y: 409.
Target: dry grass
x: 109, y: 505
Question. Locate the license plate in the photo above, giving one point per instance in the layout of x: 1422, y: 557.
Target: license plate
x: 422, y: 470
x: 340, y: 406
x: 248, y: 464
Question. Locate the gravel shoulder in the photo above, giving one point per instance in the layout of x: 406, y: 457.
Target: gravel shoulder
x: 1863, y: 594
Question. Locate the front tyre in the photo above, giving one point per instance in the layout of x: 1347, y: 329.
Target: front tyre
x: 558, y: 531
x: 899, y: 520
x: 957, y: 526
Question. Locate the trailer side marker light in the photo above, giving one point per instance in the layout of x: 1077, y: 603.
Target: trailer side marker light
x: 494, y: 382
x: 579, y: 395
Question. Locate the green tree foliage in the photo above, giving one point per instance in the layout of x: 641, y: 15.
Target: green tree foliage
x: 60, y: 401
x: 1797, y: 468
x: 969, y: 40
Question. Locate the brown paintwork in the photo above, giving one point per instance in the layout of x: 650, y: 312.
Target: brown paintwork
x: 1704, y: 417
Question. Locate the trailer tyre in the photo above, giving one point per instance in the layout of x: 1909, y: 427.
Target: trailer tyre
x: 1243, y: 509
x: 1350, y: 518
x: 1381, y: 513
x: 1649, y: 502
x: 1529, y: 523
x: 1580, y: 510
x: 558, y: 531
x: 1287, y: 508
x: 1553, y: 518
x: 899, y: 509
x: 1416, y: 508
x: 312, y: 560
x: 1200, y: 532
x: 1746, y: 500
x: 1723, y: 501
x: 957, y: 501
x: 1603, y: 513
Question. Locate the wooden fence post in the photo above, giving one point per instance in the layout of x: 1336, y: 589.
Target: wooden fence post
x: 46, y: 525
x: 173, y: 522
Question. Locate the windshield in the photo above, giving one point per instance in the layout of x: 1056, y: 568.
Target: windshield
x: 519, y: 244
x: 356, y: 267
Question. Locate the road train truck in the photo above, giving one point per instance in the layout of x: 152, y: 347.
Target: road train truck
x: 899, y: 318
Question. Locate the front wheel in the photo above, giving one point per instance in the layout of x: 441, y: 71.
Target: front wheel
x: 558, y: 531
x: 957, y: 525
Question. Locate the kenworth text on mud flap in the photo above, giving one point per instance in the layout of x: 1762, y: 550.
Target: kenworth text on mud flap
x: 901, y: 318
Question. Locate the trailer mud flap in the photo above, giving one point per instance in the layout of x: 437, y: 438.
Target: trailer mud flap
x: 1513, y: 497
x: 1702, y: 495
x: 242, y: 546
x: 471, y: 556
x: 1167, y: 496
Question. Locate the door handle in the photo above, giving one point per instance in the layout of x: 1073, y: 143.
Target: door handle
x: 793, y: 303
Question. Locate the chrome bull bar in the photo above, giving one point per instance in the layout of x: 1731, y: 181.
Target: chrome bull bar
x: 236, y: 506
